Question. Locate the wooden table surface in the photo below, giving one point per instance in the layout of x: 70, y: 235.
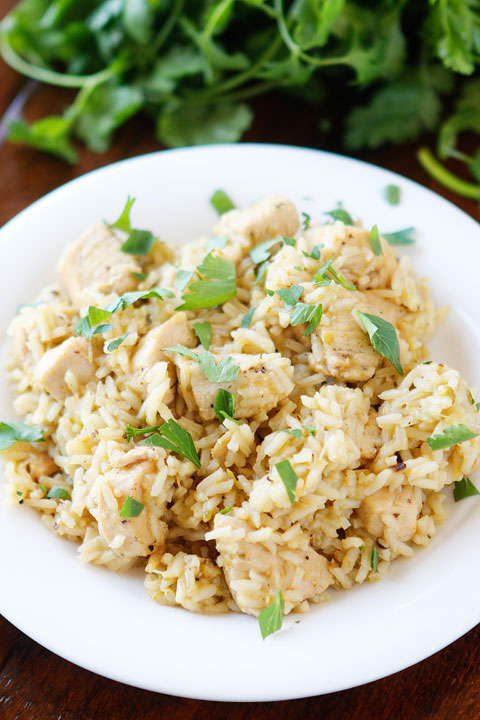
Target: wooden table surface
x: 35, y: 684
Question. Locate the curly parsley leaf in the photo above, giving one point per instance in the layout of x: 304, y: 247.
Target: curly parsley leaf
x: 382, y: 337
x: 340, y: 214
x: 203, y: 331
x: 218, y: 284
x: 224, y: 405
x: 288, y: 477
x: 247, y: 319
x: 15, y: 431
x: 221, y: 202
x: 374, y: 239
x: 58, y: 492
x: 131, y: 508
x: 271, y: 618
x: 451, y: 435
x: 391, y: 193
x: 171, y: 436
x: 464, y: 488
x: 401, y: 237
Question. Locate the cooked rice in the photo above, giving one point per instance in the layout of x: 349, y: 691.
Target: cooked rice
x: 369, y: 440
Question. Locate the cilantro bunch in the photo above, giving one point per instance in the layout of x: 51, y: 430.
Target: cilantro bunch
x: 191, y: 66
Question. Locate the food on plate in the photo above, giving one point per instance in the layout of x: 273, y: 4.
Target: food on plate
x: 252, y: 417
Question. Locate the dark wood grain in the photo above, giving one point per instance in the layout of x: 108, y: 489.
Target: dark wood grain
x: 35, y: 684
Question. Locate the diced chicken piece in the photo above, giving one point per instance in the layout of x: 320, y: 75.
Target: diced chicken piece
x: 95, y: 264
x: 254, y: 571
x: 273, y: 215
x: 131, y: 536
x: 372, y: 437
x: 72, y: 354
x: 355, y: 258
x: 175, y: 331
x: 340, y: 347
x: 262, y: 382
x: 399, y: 505
x: 39, y: 465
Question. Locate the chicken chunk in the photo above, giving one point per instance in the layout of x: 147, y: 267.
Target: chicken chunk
x: 39, y: 464
x: 262, y: 382
x: 254, y: 571
x: 175, y: 331
x: 340, y: 347
x: 273, y: 215
x: 399, y: 505
x: 72, y: 354
x: 95, y: 264
x: 372, y: 437
x: 131, y: 536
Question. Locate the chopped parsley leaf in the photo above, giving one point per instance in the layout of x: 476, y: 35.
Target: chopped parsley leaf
x: 327, y: 273
x: 262, y: 252
x: 203, y: 331
x: 139, y: 276
x: 290, y: 295
x: 374, y: 559
x: 224, y: 405
x: 295, y: 432
x: 340, y: 214
x: 306, y: 220
x: 270, y: 618
x: 14, y: 431
x: 217, y: 285
x: 374, y: 239
x: 464, y: 488
x: 221, y: 202
x: 115, y: 343
x: 139, y: 242
x: 216, y: 242
x: 383, y: 337
x: 58, y: 492
x: 315, y: 254
x: 123, y: 222
x: 451, y: 435
x: 288, y: 477
x: 132, y: 431
x: 183, y: 278
x: 131, y: 508
x: 391, y: 193
x: 224, y: 371
x: 247, y: 319
x: 401, y: 237
x: 226, y: 510
x: 171, y: 436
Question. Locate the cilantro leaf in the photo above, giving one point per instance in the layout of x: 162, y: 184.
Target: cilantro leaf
x: 58, y: 492
x: 217, y: 285
x: 224, y: 405
x: 382, y: 337
x: 203, y: 331
x: 271, y: 618
x: 374, y: 559
x: 391, y: 193
x: 247, y: 319
x: 106, y: 108
x: 15, y: 431
x: 115, y: 343
x: 288, y: 477
x: 451, y: 435
x: 221, y: 202
x: 400, y: 237
x: 291, y: 295
x: 374, y: 239
x: 172, y: 436
x: 464, y: 488
x: 340, y: 214
x: 131, y: 508
x: 200, y: 124
x: 51, y: 134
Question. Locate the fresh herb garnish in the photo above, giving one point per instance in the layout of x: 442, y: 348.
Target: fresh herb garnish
x: 216, y: 242
x: 133, y: 431
x: 138, y: 242
x: 224, y: 405
x: 139, y: 275
x: 451, y: 435
x: 171, y: 436
x: 401, y: 237
x: 327, y: 273
x: 115, y: 343
x: 14, y: 431
x: 271, y: 618
x: 374, y: 239
x: 58, y: 492
x: 374, y: 559
x: 226, y: 510
x: 302, y: 313
x: 295, y: 432
x: 391, y: 194
x: 306, y: 220
x: 203, y: 331
x: 290, y: 295
x: 288, y: 477
x: 315, y: 254
x: 382, y: 337
x: 340, y: 214
x: 224, y: 371
x: 218, y: 284
x: 221, y: 202
x: 464, y: 488
x: 131, y: 508
x: 247, y: 319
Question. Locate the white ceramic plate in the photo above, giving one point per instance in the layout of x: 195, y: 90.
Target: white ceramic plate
x: 105, y: 622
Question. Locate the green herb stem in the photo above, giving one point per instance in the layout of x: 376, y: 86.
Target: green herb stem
x: 446, y: 178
